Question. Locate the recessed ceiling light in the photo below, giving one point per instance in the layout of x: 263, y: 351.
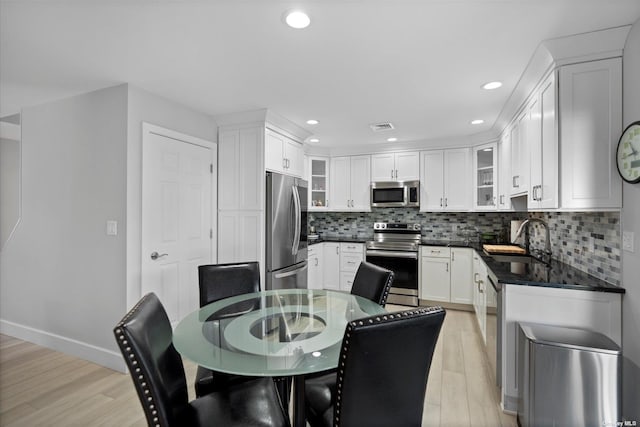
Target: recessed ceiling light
x: 312, y: 122
x: 314, y: 140
x: 477, y: 122
x: 392, y: 139
x: 297, y: 19
x: 491, y: 85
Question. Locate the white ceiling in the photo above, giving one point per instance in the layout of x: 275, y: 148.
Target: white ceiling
x: 416, y: 63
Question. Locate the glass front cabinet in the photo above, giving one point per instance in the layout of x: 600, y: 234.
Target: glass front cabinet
x: 485, y: 176
x: 318, y: 183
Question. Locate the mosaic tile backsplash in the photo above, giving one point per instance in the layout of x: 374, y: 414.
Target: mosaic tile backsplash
x: 588, y: 241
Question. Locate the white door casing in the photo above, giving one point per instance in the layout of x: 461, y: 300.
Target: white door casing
x: 178, y: 216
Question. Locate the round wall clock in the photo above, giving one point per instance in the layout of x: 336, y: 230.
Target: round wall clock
x: 628, y: 154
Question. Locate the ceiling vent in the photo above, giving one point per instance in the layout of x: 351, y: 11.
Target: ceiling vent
x: 381, y: 127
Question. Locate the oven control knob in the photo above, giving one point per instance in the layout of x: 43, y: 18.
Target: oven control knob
x: 416, y: 226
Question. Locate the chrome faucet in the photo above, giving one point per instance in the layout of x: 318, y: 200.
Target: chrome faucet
x: 525, y: 225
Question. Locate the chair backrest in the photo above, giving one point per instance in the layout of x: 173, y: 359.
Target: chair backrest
x: 218, y: 281
x: 372, y: 282
x: 384, y: 367
x: 144, y: 336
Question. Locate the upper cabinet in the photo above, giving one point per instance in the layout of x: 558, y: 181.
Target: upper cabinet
x: 519, y: 158
x: 318, y: 179
x: 542, y: 139
x: 504, y: 172
x: 590, y: 112
x: 484, y: 177
x: 282, y: 154
x: 445, y: 180
x: 350, y: 183
x: 402, y: 166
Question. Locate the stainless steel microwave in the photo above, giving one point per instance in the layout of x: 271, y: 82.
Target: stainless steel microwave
x: 390, y: 194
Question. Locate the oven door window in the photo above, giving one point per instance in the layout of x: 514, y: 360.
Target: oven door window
x: 405, y: 270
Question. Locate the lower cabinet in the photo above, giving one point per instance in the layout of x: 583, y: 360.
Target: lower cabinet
x: 445, y: 274
x: 339, y: 263
x: 315, y: 272
x: 480, y: 282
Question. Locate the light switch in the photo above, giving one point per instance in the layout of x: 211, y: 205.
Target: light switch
x: 627, y: 240
x: 112, y: 228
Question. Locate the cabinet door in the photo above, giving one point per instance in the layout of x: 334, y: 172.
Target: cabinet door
x: 504, y: 172
x: 340, y: 183
x: 346, y: 281
x: 435, y: 282
x: 548, y: 192
x: 479, y: 296
x: 407, y: 166
x: 485, y: 191
x: 318, y: 180
x: 461, y: 277
x: 457, y: 180
x: 360, y: 183
x: 534, y: 145
x: 590, y: 112
x: 517, y: 140
x: 331, y: 261
x: 432, y: 181
x: 273, y: 152
x: 293, y: 157
x: 383, y: 167
x: 315, y: 277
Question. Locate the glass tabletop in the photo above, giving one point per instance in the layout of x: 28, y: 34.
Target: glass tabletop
x: 271, y: 333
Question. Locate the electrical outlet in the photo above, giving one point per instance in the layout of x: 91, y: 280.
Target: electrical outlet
x: 627, y: 241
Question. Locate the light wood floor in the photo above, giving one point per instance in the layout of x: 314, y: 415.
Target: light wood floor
x: 41, y: 387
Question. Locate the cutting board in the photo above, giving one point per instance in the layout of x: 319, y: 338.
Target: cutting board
x: 504, y: 249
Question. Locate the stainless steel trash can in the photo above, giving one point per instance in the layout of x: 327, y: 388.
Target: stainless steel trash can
x: 567, y: 377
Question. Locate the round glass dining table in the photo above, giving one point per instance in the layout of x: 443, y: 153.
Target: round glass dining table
x: 276, y: 333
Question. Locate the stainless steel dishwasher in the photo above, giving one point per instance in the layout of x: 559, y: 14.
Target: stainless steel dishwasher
x: 567, y: 377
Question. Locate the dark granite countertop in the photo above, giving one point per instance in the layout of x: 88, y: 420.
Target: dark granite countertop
x: 554, y: 274
x: 339, y: 239
x: 450, y: 243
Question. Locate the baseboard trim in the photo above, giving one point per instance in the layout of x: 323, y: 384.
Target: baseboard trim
x: 101, y: 356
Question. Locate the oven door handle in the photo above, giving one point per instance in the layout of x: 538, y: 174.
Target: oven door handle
x: 393, y: 254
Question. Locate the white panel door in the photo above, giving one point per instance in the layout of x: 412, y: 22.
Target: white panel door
x: 178, y: 199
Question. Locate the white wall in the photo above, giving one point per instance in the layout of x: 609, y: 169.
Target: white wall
x: 61, y: 276
x: 64, y: 283
x: 631, y: 222
x: 9, y: 187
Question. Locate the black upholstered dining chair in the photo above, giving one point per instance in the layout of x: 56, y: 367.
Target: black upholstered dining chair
x: 218, y: 281
x: 144, y: 336
x: 382, y: 374
x: 372, y: 282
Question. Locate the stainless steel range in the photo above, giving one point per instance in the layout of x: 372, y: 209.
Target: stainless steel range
x: 395, y: 247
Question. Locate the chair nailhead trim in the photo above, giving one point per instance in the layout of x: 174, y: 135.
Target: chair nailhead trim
x: 131, y: 357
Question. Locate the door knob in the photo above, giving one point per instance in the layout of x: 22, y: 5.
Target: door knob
x: 155, y: 255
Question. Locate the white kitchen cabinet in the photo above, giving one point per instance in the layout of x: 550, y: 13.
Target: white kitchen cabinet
x: 331, y: 261
x: 402, y: 166
x: 480, y: 283
x: 519, y: 157
x: 350, y: 183
x: 445, y: 274
x: 318, y: 179
x: 315, y: 272
x: 461, y: 275
x: 351, y: 255
x: 435, y: 276
x: 445, y: 180
x: 504, y: 172
x: 283, y: 154
x: 542, y: 142
x: 485, y: 176
x: 590, y: 112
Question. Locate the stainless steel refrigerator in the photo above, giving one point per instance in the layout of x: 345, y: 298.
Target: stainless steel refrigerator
x: 286, y: 232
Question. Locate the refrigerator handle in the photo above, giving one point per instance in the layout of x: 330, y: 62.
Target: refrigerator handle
x: 290, y: 273
x: 298, y: 221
